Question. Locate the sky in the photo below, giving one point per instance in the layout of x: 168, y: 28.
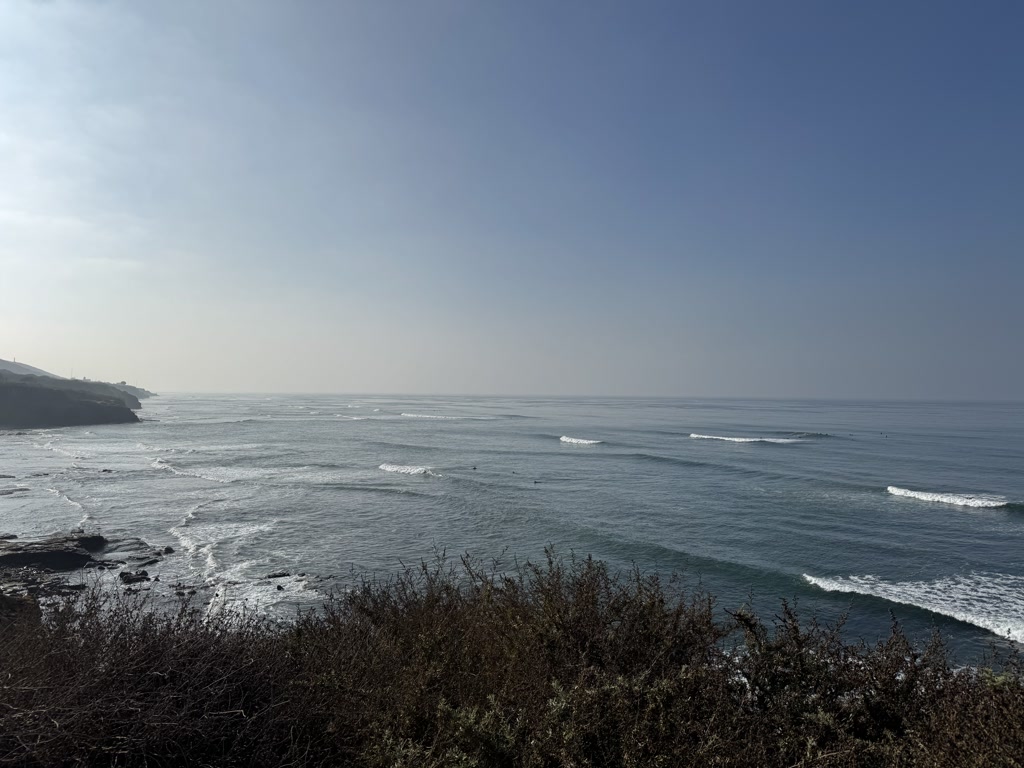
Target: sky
x: 736, y: 199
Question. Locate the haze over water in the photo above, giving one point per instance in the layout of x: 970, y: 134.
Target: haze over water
x: 915, y: 508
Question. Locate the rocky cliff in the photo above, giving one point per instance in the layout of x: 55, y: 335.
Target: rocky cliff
x: 28, y: 402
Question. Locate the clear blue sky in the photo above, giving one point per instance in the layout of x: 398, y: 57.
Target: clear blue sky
x: 724, y: 198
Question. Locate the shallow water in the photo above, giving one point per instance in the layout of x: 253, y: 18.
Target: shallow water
x: 915, y: 508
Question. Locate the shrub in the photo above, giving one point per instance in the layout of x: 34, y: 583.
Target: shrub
x: 562, y: 664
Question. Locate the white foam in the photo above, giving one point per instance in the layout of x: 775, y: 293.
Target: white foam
x: 959, y: 499
x: 70, y: 454
x: 578, y: 441
x: 430, y: 416
x: 202, y: 541
x: 695, y: 436
x: 86, y: 517
x: 992, y: 601
x: 408, y: 470
x: 220, y: 474
x: 65, y: 497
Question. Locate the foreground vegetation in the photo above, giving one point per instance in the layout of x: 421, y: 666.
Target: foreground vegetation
x: 559, y: 665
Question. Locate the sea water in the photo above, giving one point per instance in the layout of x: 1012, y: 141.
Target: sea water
x: 868, y: 507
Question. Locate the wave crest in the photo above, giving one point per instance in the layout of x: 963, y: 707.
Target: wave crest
x: 696, y: 436
x: 408, y: 470
x: 578, y: 441
x: 959, y: 499
x: 991, y: 601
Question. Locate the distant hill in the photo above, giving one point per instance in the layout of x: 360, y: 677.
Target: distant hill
x: 136, y: 393
x: 20, y: 368
x: 31, y: 401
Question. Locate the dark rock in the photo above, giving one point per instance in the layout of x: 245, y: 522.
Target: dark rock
x: 168, y: 550
x: 106, y: 470
x: 59, y: 553
x: 278, y: 575
x: 92, y: 543
x: 6, y: 477
x: 7, y: 536
x: 280, y: 588
x: 129, y: 577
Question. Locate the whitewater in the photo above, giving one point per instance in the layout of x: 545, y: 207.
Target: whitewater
x: 842, y: 506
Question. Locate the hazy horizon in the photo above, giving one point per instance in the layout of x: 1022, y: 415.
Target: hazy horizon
x: 729, y: 200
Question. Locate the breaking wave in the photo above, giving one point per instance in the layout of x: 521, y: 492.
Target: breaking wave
x: 431, y: 416
x: 220, y: 474
x: 695, y: 436
x: 578, y: 440
x: 202, y: 542
x: 993, y: 601
x: 407, y: 470
x: 959, y: 499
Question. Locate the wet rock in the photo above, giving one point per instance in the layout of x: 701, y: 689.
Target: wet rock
x: 278, y: 575
x: 7, y: 536
x: 168, y: 550
x: 133, y: 577
x: 59, y: 553
x: 6, y: 477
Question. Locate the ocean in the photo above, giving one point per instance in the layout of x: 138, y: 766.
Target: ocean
x: 872, y: 509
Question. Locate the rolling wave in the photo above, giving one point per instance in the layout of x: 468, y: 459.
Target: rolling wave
x: 408, y: 470
x: 993, y: 601
x: 695, y: 436
x: 958, y: 499
x: 578, y: 441
x: 431, y: 416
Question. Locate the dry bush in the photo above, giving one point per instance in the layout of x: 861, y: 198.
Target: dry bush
x: 563, y: 664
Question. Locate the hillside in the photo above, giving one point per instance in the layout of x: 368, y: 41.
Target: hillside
x: 134, y: 393
x: 30, y: 401
x: 25, y: 370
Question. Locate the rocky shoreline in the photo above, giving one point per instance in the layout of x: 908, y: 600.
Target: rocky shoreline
x: 35, y: 570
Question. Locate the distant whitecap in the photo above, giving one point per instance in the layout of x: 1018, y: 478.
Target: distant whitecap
x: 695, y: 436
x: 408, y: 470
x: 959, y: 499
